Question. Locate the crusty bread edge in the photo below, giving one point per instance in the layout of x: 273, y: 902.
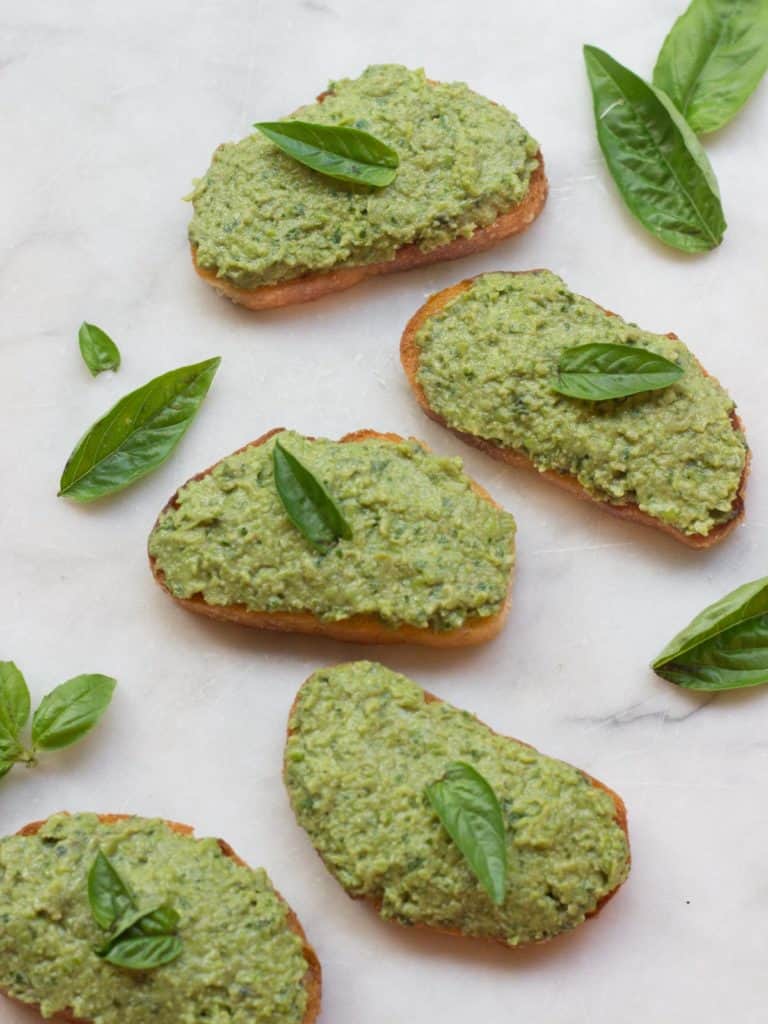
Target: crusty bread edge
x: 409, y: 356
x: 364, y: 629
x: 620, y: 818
x: 313, y: 977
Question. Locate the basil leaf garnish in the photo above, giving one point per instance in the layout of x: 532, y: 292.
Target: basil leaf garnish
x: 725, y: 647
x: 713, y: 59
x: 15, y: 703
x: 161, y: 920
x: 471, y: 815
x: 70, y: 711
x: 98, y: 350
x: 145, y: 952
x: 598, y: 371
x: 347, y: 154
x: 137, y: 434
x: 657, y: 162
x: 309, y: 506
x: 108, y: 895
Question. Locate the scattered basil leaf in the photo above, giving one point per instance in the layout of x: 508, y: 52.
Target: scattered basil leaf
x: 144, y: 953
x: 470, y: 813
x: 109, y: 896
x: 725, y: 647
x: 98, y: 350
x: 137, y: 434
x: 657, y: 162
x: 309, y: 506
x: 14, y: 697
x: 599, y: 371
x: 71, y: 710
x: 347, y: 154
x: 713, y: 59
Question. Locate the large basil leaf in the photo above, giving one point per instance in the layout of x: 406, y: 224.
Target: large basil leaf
x: 14, y: 697
x: 725, y: 647
x: 470, y: 812
x: 656, y: 161
x: 598, y: 371
x: 70, y: 711
x: 713, y: 59
x: 144, y: 952
x: 309, y: 506
x: 98, y: 350
x: 347, y: 154
x: 109, y: 896
x: 137, y: 434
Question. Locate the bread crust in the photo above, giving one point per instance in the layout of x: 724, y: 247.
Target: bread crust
x: 620, y: 818
x: 363, y: 629
x: 313, y: 977
x: 409, y: 356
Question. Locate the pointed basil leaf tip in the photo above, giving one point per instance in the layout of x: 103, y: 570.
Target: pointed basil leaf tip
x: 138, y: 434
x: 98, y: 350
x: 655, y: 159
x: 347, y: 154
x: 15, y: 704
x: 144, y: 953
x: 71, y: 710
x: 713, y: 59
x: 600, y: 371
x: 725, y: 647
x: 471, y: 815
x: 109, y: 896
x: 308, y: 505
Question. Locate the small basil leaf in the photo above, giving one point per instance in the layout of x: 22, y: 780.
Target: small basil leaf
x: 470, y: 813
x: 347, y: 154
x: 713, y: 59
x: 725, y: 647
x: 70, y: 711
x: 109, y: 896
x: 161, y: 920
x: 598, y: 371
x: 98, y: 350
x: 657, y: 162
x: 145, y: 952
x: 137, y: 434
x: 14, y: 697
x: 309, y: 506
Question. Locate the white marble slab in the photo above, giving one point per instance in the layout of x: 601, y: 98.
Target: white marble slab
x: 108, y: 112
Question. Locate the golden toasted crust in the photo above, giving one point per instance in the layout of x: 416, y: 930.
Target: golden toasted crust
x: 313, y: 977
x: 364, y: 629
x: 409, y: 356
x: 621, y: 821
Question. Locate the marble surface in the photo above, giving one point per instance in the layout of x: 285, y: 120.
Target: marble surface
x: 108, y: 112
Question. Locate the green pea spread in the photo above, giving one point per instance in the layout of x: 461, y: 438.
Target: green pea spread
x: 261, y: 217
x: 363, y: 745
x: 241, y: 964
x: 425, y: 548
x: 487, y: 363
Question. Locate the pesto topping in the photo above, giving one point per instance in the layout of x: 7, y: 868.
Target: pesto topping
x: 424, y: 549
x: 488, y: 362
x: 363, y: 745
x: 240, y: 964
x: 261, y: 217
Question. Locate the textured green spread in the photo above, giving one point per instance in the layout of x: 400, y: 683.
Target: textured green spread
x: 487, y: 363
x: 425, y: 548
x: 240, y: 962
x: 364, y: 744
x: 262, y: 217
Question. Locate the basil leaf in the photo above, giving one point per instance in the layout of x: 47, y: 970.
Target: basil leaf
x: 137, y: 434
x: 71, y: 710
x: 713, y: 59
x: 347, y: 154
x: 725, y: 647
x: 10, y: 748
x: 144, y: 952
x: 14, y: 697
x: 309, y: 506
x: 470, y: 812
x: 109, y: 896
x: 657, y: 162
x: 597, y: 371
x: 161, y: 920
x: 98, y: 350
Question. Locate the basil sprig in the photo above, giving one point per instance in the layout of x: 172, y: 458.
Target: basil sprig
x: 308, y: 505
x: 657, y: 162
x: 98, y: 350
x: 137, y: 434
x: 64, y: 716
x: 139, y: 940
x: 347, y: 154
x: 600, y: 371
x: 471, y: 815
x: 725, y: 647
x: 713, y: 59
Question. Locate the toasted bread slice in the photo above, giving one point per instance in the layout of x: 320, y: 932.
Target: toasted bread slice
x: 409, y: 355
x: 364, y: 629
x: 313, y: 978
